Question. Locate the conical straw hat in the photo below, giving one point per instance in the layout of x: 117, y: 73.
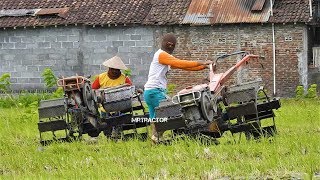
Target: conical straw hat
x: 115, y: 63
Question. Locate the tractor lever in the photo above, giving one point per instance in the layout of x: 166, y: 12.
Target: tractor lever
x: 227, y: 55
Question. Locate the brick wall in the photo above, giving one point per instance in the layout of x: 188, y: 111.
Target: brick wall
x: 24, y: 53
x: 288, y: 54
x: 207, y: 42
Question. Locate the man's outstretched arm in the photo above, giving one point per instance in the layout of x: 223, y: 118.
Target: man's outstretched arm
x: 175, y: 63
x: 167, y: 59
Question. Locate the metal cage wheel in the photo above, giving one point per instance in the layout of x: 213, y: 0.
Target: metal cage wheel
x: 89, y: 98
x: 75, y: 124
x: 94, y: 133
x: 206, y: 106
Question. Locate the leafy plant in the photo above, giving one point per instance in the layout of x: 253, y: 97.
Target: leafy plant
x: 299, y: 92
x: 26, y: 99
x: 51, y: 81
x: 58, y: 92
x: 7, y: 101
x: 5, y: 82
x: 170, y: 88
x: 312, y: 91
x: 49, y: 78
x: 127, y: 72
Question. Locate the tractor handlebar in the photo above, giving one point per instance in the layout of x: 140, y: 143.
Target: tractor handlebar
x: 232, y: 54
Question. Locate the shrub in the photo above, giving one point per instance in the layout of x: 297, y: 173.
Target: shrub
x: 24, y: 99
x: 171, y: 88
x: 127, y: 72
x: 312, y: 91
x: 58, y: 92
x: 51, y: 81
x: 7, y: 101
x: 49, y: 78
x: 5, y: 82
x: 299, y: 92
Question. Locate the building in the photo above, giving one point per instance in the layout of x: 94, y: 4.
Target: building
x: 76, y: 36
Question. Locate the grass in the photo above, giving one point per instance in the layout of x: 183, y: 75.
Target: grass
x: 293, y: 153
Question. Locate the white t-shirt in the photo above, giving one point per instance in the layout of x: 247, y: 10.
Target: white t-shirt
x: 157, y: 73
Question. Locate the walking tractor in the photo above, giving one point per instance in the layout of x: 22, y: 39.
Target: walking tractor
x: 208, y: 109
x: 211, y: 109
x: 78, y: 112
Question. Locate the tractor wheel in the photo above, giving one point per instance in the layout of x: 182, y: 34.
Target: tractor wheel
x: 94, y: 133
x: 89, y: 98
x: 75, y: 125
x: 108, y: 132
x: 206, y: 107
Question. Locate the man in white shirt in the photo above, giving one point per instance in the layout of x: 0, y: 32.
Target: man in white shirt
x: 155, y: 88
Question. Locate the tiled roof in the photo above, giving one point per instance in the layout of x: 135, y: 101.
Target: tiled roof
x: 290, y: 11
x: 90, y: 12
x: 167, y: 11
x: 153, y: 12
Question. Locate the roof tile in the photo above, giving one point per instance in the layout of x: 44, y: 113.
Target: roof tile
x: 94, y: 12
x: 156, y: 12
x: 167, y: 12
x: 290, y: 11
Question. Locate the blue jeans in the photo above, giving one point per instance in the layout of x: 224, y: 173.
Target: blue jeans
x: 153, y: 98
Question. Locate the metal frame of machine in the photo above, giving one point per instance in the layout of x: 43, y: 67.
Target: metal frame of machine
x: 214, y: 108
x: 206, y: 109
x: 77, y: 113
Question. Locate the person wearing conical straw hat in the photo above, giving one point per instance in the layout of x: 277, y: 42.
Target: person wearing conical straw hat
x: 113, y: 77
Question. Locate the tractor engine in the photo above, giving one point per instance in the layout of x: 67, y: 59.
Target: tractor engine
x: 195, y: 105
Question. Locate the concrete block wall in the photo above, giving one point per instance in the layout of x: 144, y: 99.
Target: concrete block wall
x: 25, y: 53
x: 134, y: 45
